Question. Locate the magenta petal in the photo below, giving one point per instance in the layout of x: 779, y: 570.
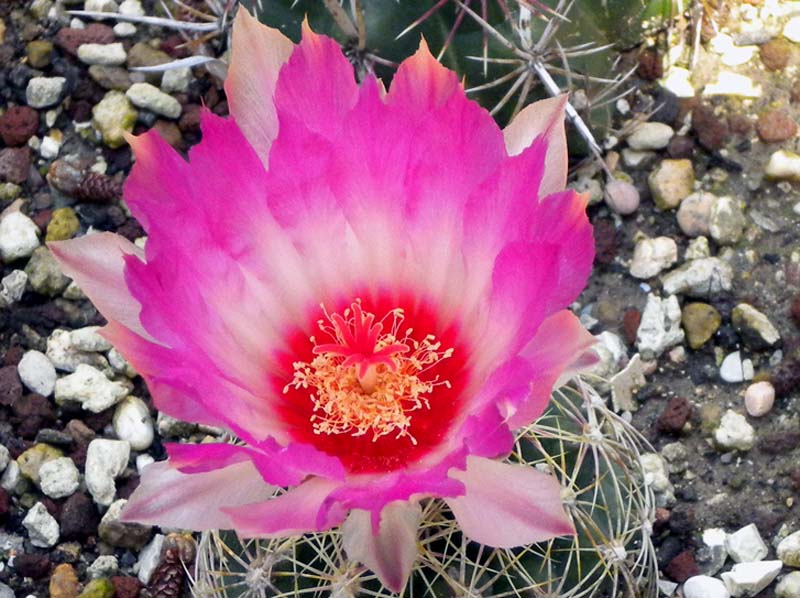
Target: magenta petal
x: 97, y: 264
x: 558, y: 351
x: 545, y: 118
x: 508, y: 505
x: 282, y: 466
x: 170, y: 498
x: 305, y: 508
x: 391, y: 552
x: 256, y: 59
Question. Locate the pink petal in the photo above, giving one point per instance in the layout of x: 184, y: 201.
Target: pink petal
x: 546, y: 118
x: 97, y: 264
x: 282, y: 466
x: 558, y: 350
x: 508, y: 505
x: 391, y: 552
x: 257, y: 56
x: 170, y: 498
x: 316, y: 86
x: 306, y: 508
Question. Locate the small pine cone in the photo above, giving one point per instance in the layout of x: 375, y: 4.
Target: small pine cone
x: 98, y: 188
x: 169, y: 578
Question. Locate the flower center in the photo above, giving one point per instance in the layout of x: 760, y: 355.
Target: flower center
x: 368, y: 380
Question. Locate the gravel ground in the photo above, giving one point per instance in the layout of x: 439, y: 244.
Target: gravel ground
x: 697, y: 273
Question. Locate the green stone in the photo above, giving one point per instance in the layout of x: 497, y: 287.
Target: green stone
x: 114, y: 116
x: 39, y: 52
x: 63, y: 225
x: 31, y: 460
x: 44, y: 273
x: 700, y: 321
x: 9, y: 191
x: 98, y: 588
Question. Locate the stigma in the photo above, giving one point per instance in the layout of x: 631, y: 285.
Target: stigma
x: 372, y: 375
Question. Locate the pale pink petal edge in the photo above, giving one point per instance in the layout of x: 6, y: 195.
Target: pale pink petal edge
x: 390, y: 553
x: 545, y: 117
x: 508, y: 505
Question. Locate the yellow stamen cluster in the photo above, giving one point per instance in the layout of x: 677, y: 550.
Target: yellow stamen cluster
x: 379, y: 402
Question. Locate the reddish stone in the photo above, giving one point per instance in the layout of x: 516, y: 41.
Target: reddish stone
x: 10, y: 385
x: 740, y: 124
x: 68, y: 39
x: 35, y: 566
x: 794, y: 310
x: 42, y: 219
x: 126, y: 587
x: 606, y: 242
x: 190, y: 119
x: 5, y: 504
x: 630, y: 324
x: 711, y: 131
x: 680, y: 146
x: 682, y: 567
x: 675, y: 415
x: 650, y: 65
x: 18, y: 124
x: 775, y: 54
x: 14, y: 355
x: 15, y: 162
x: 775, y: 126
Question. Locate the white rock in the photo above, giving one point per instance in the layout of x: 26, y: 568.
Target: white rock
x: 703, y: 586
x: 43, y: 92
x: 651, y: 256
x: 655, y: 472
x: 12, y: 287
x: 73, y: 292
x: 132, y: 8
x: 105, y: 460
x: 694, y: 213
x: 90, y: 388
x: 59, y: 477
x: 626, y: 383
x: 49, y: 148
x: 748, y: 579
x: 37, y: 373
x: 149, y: 558
x: 789, y: 586
x: 697, y: 248
x: 142, y: 461
x: 103, y: 566
x: 660, y: 326
x: 734, y: 432
x: 783, y: 165
x: 714, y: 539
x: 125, y: 29
x: 611, y: 353
x: 151, y: 98
x: 11, y: 476
x: 19, y: 236
x: 7, y: 592
x: 119, y: 365
x: 650, y: 136
x: 67, y: 357
x: 703, y: 277
x: 43, y: 529
x: 101, y: 6
x: 5, y: 457
x: 176, y: 80
x: 726, y: 221
x: 791, y: 30
x: 89, y: 339
x: 733, y: 84
x: 734, y: 369
x: 132, y: 422
x: 105, y: 54
x: 789, y: 550
x: 746, y: 545
x: 637, y: 158
x: 678, y: 82
x: 759, y: 398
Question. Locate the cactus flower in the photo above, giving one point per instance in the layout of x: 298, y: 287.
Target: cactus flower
x: 367, y: 288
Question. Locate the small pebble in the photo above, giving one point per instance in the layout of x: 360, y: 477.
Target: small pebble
x: 694, y: 213
x: 671, y: 182
x: 759, y: 398
x: 748, y: 579
x: 791, y: 30
x: 105, y: 461
x: 105, y: 54
x: 746, y: 545
x: 19, y: 236
x: 650, y: 136
x: 42, y: 528
x: 775, y: 126
x: 43, y: 92
x: 622, y: 197
x: 783, y: 165
x: 59, y: 478
x: 789, y: 586
x: 151, y: 98
x: 703, y: 586
x: 734, y: 369
x: 37, y: 373
x: 734, y: 432
x: 651, y: 256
